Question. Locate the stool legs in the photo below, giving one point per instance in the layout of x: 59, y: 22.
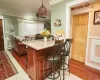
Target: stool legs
x: 68, y: 64
x: 63, y: 60
x: 64, y: 64
x: 52, y: 71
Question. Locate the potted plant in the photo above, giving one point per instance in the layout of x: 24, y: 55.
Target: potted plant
x: 45, y: 33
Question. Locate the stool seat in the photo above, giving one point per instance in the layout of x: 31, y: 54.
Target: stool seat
x: 53, y: 58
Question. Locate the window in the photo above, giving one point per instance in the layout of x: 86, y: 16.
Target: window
x: 30, y: 28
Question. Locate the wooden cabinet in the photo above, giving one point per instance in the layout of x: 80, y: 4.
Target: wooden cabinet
x: 37, y: 63
x: 31, y: 64
x: 40, y: 68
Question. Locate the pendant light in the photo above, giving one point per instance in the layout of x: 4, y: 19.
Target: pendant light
x: 42, y: 11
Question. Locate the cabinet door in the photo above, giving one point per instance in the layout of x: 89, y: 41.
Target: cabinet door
x: 40, y: 68
x: 31, y: 66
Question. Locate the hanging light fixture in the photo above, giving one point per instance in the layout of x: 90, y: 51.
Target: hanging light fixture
x: 42, y: 11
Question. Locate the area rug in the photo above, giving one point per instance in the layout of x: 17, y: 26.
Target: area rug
x: 7, y: 69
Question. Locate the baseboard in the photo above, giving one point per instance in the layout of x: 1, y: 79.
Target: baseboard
x: 93, y: 66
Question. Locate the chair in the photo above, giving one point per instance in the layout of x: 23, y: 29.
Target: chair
x: 19, y: 48
x: 29, y: 38
x: 54, y: 60
x: 64, y: 53
x: 38, y: 36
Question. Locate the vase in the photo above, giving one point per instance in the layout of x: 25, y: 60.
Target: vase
x: 45, y: 39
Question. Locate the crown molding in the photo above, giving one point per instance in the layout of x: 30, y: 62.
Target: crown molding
x: 23, y: 20
x: 1, y: 17
x: 52, y: 2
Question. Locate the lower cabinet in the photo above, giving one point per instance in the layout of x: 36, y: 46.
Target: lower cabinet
x: 40, y: 68
x: 36, y: 64
x: 31, y: 64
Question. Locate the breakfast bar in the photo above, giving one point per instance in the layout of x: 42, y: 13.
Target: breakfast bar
x: 36, y: 54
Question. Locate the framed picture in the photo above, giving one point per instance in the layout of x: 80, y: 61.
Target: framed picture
x: 57, y: 23
x: 97, y: 17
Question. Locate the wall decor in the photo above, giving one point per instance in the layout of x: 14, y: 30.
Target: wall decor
x: 11, y: 26
x: 97, y: 17
x: 57, y: 23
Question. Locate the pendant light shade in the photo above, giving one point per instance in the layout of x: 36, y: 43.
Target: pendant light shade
x: 42, y: 11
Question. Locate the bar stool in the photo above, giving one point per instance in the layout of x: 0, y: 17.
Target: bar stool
x: 38, y: 36
x: 54, y: 60
x: 65, y: 53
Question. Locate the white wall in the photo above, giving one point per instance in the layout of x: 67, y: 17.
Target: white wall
x: 7, y: 21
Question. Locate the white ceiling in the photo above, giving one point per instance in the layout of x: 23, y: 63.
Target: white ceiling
x: 23, y: 8
x: 26, y: 9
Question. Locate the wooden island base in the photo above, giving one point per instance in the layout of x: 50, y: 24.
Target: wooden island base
x: 36, y: 63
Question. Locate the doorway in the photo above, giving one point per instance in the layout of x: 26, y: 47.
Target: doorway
x: 79, y: 34
x: 1, y: 36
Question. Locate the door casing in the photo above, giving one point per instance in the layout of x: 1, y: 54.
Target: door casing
x: 2, y: 17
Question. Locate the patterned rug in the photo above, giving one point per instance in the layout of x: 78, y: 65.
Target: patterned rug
x: 7, y: 69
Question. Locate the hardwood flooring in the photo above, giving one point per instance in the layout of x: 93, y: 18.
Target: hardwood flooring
x: 77, y: 68
x: 21, y: 60
x: 83, y: 71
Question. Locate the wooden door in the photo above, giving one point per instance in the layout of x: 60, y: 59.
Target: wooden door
x: 79, y: 34
x: 1, y: 37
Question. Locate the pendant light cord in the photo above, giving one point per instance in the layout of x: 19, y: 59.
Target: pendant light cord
x: 42, y: 2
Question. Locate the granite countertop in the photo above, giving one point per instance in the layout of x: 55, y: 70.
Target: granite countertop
x: 20, y: 37
x: 39, y: 44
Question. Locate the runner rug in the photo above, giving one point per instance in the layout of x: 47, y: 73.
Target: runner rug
x: 7, y: 69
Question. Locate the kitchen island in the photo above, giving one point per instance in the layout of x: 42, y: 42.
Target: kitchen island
x: 36, y: 58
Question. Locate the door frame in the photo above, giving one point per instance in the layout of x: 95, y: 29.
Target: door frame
x: 69, y: 5
x: 2, y: 17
